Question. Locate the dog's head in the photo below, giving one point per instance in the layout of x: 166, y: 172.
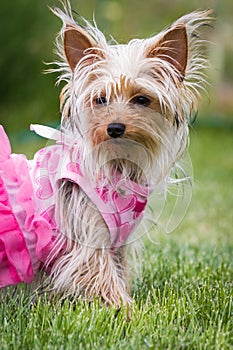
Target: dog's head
x: 130, y: 104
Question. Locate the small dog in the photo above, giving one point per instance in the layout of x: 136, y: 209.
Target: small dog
x: 125, y: 114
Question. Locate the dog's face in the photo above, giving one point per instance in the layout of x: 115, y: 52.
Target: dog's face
x: 128, y: 101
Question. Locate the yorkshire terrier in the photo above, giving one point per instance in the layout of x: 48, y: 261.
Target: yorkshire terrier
x: 72, y: 210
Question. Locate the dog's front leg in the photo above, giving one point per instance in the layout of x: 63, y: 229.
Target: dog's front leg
x: 88, y: 266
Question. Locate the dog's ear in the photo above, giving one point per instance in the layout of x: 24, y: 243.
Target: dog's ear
x: 76, y: 42
x: 172, y: 47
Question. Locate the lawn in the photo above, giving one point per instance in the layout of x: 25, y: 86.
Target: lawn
x: 183, y: 300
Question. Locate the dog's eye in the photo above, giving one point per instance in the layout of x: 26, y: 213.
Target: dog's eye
x: 101, y: 100
x: 141, y: 100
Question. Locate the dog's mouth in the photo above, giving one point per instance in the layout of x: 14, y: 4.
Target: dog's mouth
x: 121, y: 137
x: 120, y: 155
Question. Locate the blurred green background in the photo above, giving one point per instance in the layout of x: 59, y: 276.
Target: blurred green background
x: 28, y: 31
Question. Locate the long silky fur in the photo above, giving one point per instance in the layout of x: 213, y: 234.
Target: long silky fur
x: 87, y: 266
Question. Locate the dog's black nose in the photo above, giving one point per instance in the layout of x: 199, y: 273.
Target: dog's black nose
x: 116, y: 130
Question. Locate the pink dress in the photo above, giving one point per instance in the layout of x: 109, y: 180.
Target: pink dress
x: 28, y: 226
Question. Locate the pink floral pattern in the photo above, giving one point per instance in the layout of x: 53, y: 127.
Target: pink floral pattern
x: 125, y: 203
x: 121, y: 203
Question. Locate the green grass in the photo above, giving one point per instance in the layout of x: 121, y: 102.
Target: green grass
x: 183, y: 299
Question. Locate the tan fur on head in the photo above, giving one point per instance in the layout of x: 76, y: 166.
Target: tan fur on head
x: 151, y: 86
x: 96, y: 67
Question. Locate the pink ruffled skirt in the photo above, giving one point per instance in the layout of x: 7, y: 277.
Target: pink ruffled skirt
x: 23, y: 239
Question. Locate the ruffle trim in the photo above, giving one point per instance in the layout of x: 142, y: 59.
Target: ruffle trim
x: 15, y: 262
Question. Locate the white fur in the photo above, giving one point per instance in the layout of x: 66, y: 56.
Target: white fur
x: 88, y: 267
